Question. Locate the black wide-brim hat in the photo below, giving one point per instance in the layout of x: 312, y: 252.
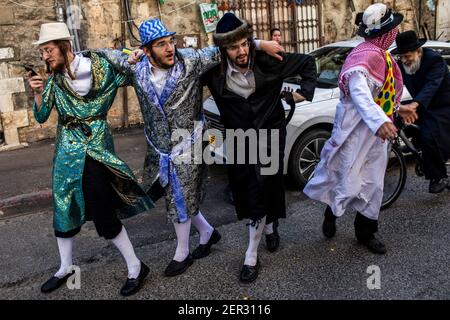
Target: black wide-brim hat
x: 407, y: 42
x: 387, y: 22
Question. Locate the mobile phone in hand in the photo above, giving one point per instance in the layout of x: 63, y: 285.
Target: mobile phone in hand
x: 29, y: 68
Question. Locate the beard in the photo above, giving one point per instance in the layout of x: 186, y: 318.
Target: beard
x: 241, y: 65
x: 159, y: 61
x: 58, y: 68
x: 412, y: 69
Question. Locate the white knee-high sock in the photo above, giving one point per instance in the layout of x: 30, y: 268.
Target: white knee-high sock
x: 268, y: 228
x: 255, y: 234
x: 183, y: 231
x: 65, y: 246
x: 203, y: 227
x: 123, y: 243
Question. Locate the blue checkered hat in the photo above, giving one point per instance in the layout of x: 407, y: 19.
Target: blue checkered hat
x: 151, y: 30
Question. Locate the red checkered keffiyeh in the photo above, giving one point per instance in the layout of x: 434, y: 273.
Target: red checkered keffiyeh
x: 370, y: 58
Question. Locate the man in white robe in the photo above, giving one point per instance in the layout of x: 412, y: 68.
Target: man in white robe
x: 353, y: 161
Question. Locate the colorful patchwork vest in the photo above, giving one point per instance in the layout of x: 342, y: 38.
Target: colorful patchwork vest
x: 386, y: 97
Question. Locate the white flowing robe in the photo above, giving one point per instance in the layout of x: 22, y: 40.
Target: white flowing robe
x: 353, y: 161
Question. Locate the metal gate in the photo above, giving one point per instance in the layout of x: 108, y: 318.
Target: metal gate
x: 300, y: 25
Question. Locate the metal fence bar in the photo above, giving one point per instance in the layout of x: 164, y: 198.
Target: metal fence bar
x: 300, y: 26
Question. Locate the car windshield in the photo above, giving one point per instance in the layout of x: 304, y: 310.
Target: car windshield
x: 329, y: 61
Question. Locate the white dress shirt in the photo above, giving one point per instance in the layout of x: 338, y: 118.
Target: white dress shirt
x: 158, y: 78
x: 81, y: 69
x: 240, y: 83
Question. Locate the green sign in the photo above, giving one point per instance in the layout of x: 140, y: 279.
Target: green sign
x: 210, y: 16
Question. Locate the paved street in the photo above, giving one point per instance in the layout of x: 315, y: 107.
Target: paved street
x: 415, y: 230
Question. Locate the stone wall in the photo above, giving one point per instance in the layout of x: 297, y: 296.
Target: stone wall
x: 442, y: 23
x: 11, y: 117
x: 341, y: 26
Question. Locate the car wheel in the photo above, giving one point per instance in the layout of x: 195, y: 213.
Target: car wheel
x: 305, y: 155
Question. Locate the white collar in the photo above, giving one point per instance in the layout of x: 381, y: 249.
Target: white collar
x: 154, y: 69
x: 74, y: 65
x: 232, y: 68
x: 76, y: 61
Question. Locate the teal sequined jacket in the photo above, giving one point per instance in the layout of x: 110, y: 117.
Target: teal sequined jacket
x: 83, y: 130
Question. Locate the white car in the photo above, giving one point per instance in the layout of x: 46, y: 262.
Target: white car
x: 312, y: 122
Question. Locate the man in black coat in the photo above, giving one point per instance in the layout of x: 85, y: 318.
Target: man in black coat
x: 246, y: 88
x: 426, y: 76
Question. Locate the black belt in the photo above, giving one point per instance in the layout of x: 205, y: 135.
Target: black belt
x: 73, y: 123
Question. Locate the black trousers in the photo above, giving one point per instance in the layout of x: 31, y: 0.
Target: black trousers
x: 433, y: 162
x: 100, y: 199
x: 364, y: 227
x: 156, y: 191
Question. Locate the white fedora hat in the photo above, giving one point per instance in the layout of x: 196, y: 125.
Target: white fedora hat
x: 53, y: 31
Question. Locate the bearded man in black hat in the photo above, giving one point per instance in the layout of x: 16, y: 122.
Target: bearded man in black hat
x: 246, y: 88
x: 426, y: 76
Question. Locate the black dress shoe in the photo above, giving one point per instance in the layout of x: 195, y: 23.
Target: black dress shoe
x: 329, y: 224
x: 175, y: 267
x: 374, y: 245
x: 54, y: 283
x: 249, y: 273
x: 438, y: 185
x: 204, y: 249
x: 132, y: 286
x: 273, y: 239
x: 272, y: 242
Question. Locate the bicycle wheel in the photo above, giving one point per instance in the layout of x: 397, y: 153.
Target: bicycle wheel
x: 394, y: 178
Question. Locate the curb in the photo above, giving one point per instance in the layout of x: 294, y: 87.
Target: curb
x: 25, y: 203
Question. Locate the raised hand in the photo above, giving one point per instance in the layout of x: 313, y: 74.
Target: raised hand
x: 272, y: 48
x: 135, y: 56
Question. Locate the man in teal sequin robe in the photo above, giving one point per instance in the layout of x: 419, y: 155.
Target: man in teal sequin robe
x: 89, y: 181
